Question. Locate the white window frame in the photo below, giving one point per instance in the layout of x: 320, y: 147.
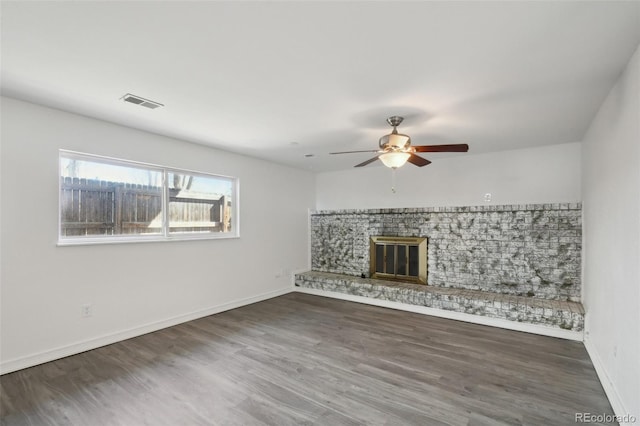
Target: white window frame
x: 165, y: 234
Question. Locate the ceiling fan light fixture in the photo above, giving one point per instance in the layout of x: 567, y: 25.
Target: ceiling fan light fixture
x: 394, y: 159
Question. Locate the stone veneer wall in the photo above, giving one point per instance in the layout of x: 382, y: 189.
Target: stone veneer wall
x: 528, y: 250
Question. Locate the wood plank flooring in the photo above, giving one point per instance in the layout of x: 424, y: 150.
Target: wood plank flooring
x: 300, y: 359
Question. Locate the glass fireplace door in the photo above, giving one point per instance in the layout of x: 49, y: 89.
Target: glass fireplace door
x: 399, y: 258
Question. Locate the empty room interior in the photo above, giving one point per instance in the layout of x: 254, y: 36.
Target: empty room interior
x: 328, y: 213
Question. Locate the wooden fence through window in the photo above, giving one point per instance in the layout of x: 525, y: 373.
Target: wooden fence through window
x: 93, y: 207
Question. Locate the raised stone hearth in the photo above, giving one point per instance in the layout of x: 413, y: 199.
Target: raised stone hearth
x: 552, y: 313
x: 517, y: 262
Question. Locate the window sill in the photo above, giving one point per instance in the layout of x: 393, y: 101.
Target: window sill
x: 153, y: 239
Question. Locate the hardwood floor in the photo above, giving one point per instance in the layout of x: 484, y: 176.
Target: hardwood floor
x: 302, y: 359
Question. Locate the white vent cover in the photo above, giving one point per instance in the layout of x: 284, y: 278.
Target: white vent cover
x: 141, y: 101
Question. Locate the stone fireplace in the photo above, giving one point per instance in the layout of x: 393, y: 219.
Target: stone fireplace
x: 517, y: 262
x: 531, y: 250
x: 398, y: 258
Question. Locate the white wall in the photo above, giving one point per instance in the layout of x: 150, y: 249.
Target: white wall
x: 611, y: 210
x: 549, y: 174
x: 133, y: 287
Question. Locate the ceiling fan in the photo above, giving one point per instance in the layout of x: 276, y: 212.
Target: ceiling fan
x: 395, y: 148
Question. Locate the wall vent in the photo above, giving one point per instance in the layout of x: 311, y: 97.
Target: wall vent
x: 141, y: 101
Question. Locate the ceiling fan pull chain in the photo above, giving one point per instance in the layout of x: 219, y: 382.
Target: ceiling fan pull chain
x: 393, y: 180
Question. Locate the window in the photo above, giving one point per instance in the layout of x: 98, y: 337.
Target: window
x: 109, y: 200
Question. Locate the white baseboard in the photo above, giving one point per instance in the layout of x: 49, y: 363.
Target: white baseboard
x: 460, y: 316
x: 107, y: 339
x: 609, y: 388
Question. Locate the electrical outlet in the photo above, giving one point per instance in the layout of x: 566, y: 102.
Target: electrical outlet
x: 487, y: 197
x: 86, y: 310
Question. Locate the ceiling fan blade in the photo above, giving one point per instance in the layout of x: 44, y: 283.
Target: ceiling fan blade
x: 369, y: 161
x: 353, y: 152
x: 458, y: 147
x: 418, y: 161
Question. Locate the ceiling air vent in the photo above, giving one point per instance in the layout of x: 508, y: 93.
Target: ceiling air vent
x: 141, y: 101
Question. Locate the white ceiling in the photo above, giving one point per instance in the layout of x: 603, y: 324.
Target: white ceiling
x: 278, y: 80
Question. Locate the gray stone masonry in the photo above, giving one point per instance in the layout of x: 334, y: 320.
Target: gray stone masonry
x: 551, y: 313
x: 529, y: 250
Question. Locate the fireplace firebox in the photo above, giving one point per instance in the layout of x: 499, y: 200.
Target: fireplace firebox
x: 399, y: 258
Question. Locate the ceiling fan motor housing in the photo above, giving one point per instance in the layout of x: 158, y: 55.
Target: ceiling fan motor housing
x: 395, y: 141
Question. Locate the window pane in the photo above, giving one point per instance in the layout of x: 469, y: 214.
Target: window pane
x: 97, y: 198
x: 199, y: 204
